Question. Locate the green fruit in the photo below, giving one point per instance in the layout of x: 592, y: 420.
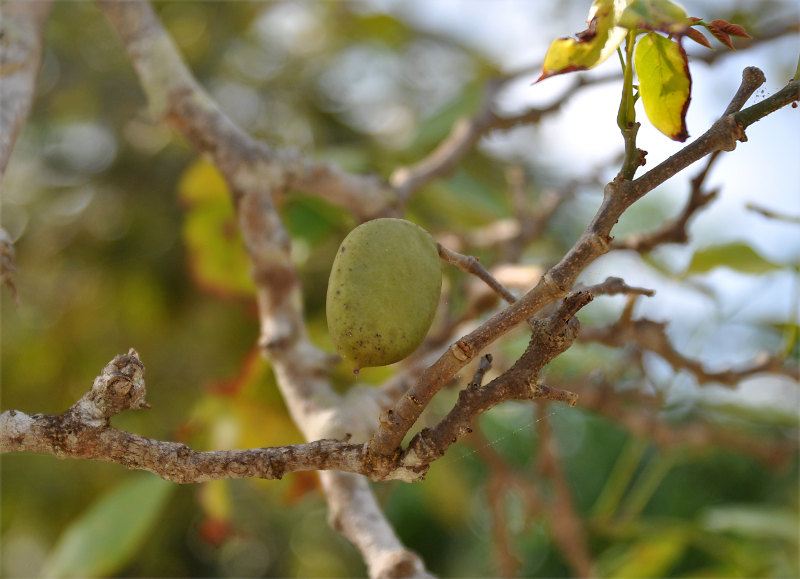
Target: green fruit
x: 383, y: 292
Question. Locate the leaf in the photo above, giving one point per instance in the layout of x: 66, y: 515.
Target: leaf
x: 590, y: 47
x: 723, y: 30
x: 664, y: 84
x: 217, y: 257
x: 655, y: 15
x: 729, y: 28
x: 201, y: 183
x: 762, y: 414
x: 464, y: 197
x: 737, y: 256
x: 214, y: 498
x: 102, y: 540
x: 246, y: 410
x: 721, y: 35
x: 698, y: 37
x: 650, y: 557
x: 313, y: 219
x: 437, y: 126
x: 756, y: 521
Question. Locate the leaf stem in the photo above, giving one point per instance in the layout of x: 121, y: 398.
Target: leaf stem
x: 797, y: 72
x: 626, y: 119
x: 627, y: 114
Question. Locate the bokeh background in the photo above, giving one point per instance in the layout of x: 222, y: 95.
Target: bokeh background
x: 126, y: 238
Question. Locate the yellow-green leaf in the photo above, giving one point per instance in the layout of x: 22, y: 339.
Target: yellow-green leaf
x: 201, y: 183
x: 217, y: 256
x: 737, y: 256
x: 760, y: 521
x: 661, y: 15
x: 665, y: 85
x: 590, y: 47
x: 650, y: 557
x: 105, y: 537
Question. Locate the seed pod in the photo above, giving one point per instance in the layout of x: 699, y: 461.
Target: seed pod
x: 383, y: 292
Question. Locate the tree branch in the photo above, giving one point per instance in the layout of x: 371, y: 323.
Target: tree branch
x: 786, y: 96
x: 175, y: 462
x: 641, y: 415
x: 258, y: 175
x: 84, y: 431
x: 551, y: 336
x: 175, y: 96
x: 770, y: 214
x: 674, y: 230
x: 7, y: 267
x: 466, y: 132
x: 471, y: 265
x: 649, y: 335
x: 615, y: 286
x: 21, y: 31
x: 356, y: 514
x: 557, y: 282
x: 722, y: 136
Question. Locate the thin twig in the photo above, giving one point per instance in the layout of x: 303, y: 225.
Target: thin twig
x: 483, y: 366
x: 467, y: 131
x: 770, y: 214
x: 642, y: 415
x: 615, y: 286
x: 471, y: 265
x: 675, y: 230
x: 652, y: 336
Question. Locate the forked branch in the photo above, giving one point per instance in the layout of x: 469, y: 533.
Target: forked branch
x: 560, y: 279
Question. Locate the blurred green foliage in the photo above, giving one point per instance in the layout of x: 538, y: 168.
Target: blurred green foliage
x: 125, y: 238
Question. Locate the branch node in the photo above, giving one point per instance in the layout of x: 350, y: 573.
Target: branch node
x: 462, y: 351
x: 733, y: 133
x: 553, y: 287
x: 542, y: 392
x: 601, y: 244
x: 119, y: 387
